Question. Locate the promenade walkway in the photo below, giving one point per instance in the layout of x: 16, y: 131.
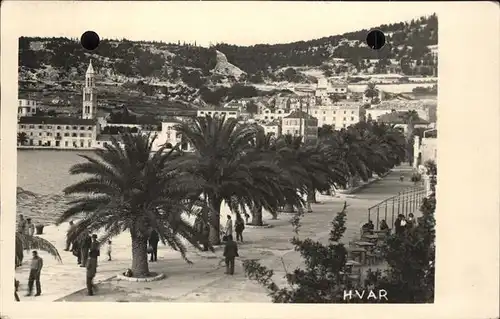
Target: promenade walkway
x: 204, y: 281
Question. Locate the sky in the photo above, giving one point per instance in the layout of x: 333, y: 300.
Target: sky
x: 241, y: 23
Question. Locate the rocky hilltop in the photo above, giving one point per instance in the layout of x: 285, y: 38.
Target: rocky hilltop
x: 224, y: 68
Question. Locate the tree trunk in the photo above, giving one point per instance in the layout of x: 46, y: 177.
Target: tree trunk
x: 257, y: 216
x: 289, y: 208
x: 140, y: 267
x: 214, y: 220
x: 311, y: 196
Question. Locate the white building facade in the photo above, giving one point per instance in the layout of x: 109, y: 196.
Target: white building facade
x: 26, y: 107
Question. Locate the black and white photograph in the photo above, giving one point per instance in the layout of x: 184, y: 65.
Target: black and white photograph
x: 282, y: 166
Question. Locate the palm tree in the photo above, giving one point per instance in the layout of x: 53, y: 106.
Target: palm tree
x: 230, y: 169
x: 27, y: 242
x: 313, y: 170
x: 22, y: 138
x: 133, y: 189
x: 292, y: 178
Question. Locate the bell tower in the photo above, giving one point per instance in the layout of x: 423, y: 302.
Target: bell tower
x: 89, y: 98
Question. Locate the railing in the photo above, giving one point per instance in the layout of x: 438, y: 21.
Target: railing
x: 405, y: 202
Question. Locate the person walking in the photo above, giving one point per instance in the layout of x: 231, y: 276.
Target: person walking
x: 30, y: 227
x: 21, y: 224
x: 68, y: 242
x: 108, y: 250
x: 91, y: 272
x: 230, y: 253
x: 154, y: 238
x: 239, y: 226
x: 229, y: 228
x: 35, y: 270
x: 84, y: 249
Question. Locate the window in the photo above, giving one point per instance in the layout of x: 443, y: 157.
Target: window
x: 90, y: 128
x: 40, y: 134
x: 66, y: 134
x: 90, y: 144
x: 58, y: 134
x: 345, y: 125
x: 66, y: 143
x: 344, y: 118
x: 344, y: 111
x: 75, y: 127
x: 22, y: 126
x: 49, y: 127
x: 32, y: 126
x: 296, y: 131
x: 82, y: 128
x: 81, y: 144
x: 73, y: 134
x: 82, y: 135
x: 58, y: 127
x: 49, y: 134
x: 334, y: 112
x: 31, y: 133
x: 324, y: 112
x: 352, y: 112
x: 352, y: 118
x: 39, y: 126
x: 333, y: 118
x: 67, y: 127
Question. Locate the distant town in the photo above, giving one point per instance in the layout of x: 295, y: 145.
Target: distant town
x: 301, y: 110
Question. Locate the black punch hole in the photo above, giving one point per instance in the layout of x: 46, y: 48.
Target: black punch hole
x: 89, y: 40
x: 375, y: 39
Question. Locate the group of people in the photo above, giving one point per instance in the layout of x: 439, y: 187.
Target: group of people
x: 400, y: 225
x: 25, y: 226
x: 403, y: 223
x: 86, y: 249
x: 239, y: 227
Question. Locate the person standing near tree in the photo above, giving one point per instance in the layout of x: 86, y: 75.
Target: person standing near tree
x: 21, y: 225
x: 84, y: 248
x: 154, y: 238
x: 30, y: 227
x: 68, y: 242
x: 35, y: 270
x: 91, y: 272
x: 229, y: 228
x: 239, y: 226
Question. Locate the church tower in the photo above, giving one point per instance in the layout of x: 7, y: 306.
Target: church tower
x: 89, y: 98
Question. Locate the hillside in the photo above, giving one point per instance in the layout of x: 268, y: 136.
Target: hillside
x: 152, y: 75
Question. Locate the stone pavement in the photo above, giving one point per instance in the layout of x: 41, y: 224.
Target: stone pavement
x: 204, y: 281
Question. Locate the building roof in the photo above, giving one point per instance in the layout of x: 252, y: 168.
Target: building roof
x: 297, y: 114
x: 56, y: 120
x: 399, y: 118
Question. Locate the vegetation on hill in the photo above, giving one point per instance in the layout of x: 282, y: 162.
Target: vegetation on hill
x: 158, y: 71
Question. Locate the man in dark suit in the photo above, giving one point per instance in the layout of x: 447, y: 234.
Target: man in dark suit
x: 230, y: 253
x: 84, y: 248
x: 154, y: 238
